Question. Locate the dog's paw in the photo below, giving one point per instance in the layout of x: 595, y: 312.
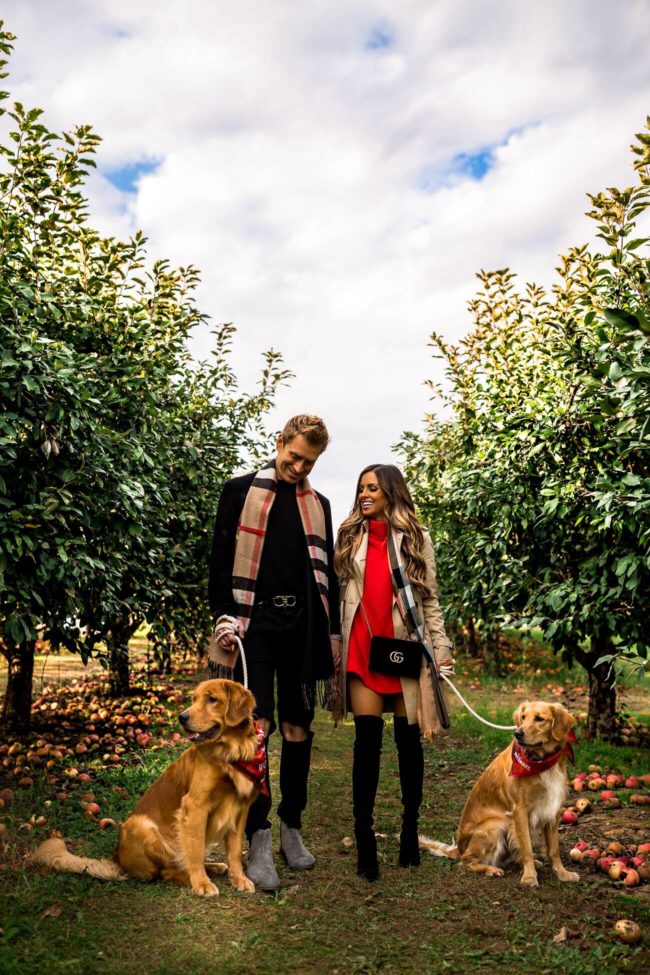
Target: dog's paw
x: 493, y: 871
x: 216, y: 869
x: 567, y: 876
x: 243, y: 883
x: 529, y: 880
x: 205, y: 888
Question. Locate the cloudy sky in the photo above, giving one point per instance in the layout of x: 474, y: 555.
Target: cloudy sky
x: 340, y: 169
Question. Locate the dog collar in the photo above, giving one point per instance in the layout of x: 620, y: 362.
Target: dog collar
x: 255, y: 769
x: 524, y: 765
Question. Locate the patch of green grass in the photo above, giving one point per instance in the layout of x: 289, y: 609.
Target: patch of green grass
x: 436, y: 919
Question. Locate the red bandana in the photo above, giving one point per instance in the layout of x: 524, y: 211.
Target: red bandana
x: 523, y: 765
x: 255, y: 770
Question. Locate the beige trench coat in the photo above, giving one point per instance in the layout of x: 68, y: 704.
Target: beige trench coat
x: 418, y: 699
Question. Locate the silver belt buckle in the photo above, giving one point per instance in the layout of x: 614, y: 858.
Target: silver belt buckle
x: 284, y: 602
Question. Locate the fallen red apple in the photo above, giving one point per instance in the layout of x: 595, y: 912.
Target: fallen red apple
x: 616, y: 870
x: 613, y: 780
x: 638, y: 800
x: 644, y: 871
x: 583, y: 805
x: 631, y: 878
x: 581, y: 845
x: 614, y: 803
x: 596, y: 784
x: 605, y: 863
x: 643, y: 849
x: 628, y: 931
x: 615, y: 848
x: 569, y: 816
x: 607, y: 794
x: 632, y: 782
x: 575, y: 854
x: 91, y: 809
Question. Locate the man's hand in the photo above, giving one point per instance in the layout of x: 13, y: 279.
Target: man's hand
x: 227, y: 629
x: 228, y: 642
x: 336, y: 651
x: 446, y: 667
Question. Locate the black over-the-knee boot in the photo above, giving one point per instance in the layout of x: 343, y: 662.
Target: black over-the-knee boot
x: 294, y: 773
x: 411, y: 774
x: 365, y: 777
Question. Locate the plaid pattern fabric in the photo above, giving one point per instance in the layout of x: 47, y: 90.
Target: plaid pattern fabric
x: 406, y: 601
x: 252, y: 532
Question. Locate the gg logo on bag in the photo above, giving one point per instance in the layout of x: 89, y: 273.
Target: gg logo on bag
x: 396, y: 657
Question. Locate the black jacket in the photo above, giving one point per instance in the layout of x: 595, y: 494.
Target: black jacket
x: 231, y: 504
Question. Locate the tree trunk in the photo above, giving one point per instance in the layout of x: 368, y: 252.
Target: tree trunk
x: 601, y: 718
x: 472, y: 641
x: 17, y: 707
x: 492, y: 651
x: 119, y: 670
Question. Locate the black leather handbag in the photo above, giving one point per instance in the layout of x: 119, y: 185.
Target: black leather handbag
x: 393, y: 657
x: 396, y: 658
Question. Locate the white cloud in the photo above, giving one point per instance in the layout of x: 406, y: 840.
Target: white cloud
x: 292, y: 157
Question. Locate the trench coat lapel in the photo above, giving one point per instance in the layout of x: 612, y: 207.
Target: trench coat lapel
x: 360, y: 556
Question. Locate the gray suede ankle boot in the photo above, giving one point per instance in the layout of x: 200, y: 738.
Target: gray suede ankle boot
x: 259, y: 865
x: 293, y: 849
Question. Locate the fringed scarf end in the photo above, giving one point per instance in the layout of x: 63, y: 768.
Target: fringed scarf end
x: 219, y: 671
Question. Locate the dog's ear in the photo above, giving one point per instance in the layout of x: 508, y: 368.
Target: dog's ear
x: 517, y: 716
x: 563, y: 722
x: 240, y: 704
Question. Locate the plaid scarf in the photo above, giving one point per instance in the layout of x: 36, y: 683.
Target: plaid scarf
x: 249, y: 546
x: 404, y: 592
x: 252, y: 532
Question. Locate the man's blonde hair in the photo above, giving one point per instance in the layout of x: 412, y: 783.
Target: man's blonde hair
x: 311, y: 427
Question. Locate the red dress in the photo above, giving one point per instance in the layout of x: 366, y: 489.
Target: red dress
x: 378, y: 595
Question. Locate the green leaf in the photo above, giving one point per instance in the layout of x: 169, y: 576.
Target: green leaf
x: 621, y: 319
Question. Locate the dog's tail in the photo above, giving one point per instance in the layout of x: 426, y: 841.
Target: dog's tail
x: 437, y: 849
x: 55, y: 855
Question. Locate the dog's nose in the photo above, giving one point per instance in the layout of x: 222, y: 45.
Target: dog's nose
x: 519, y: 734
x: 184, y: 717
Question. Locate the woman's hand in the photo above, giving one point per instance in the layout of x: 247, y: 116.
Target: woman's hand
x: 336, y: 651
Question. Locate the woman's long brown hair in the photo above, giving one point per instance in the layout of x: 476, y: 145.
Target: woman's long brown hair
x: 400, y: 514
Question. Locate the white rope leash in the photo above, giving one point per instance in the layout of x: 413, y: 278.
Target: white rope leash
x: 490, y: 724
x: 228, y: 626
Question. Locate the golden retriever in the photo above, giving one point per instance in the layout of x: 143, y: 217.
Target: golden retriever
x: 203, y: 796
x: 505, y: 813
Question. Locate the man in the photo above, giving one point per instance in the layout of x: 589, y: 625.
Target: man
x: 272, y: 583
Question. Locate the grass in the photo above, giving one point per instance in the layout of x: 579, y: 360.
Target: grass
x: 436, y: 919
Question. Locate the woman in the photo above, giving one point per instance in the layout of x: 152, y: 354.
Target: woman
x: 385, y: 563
